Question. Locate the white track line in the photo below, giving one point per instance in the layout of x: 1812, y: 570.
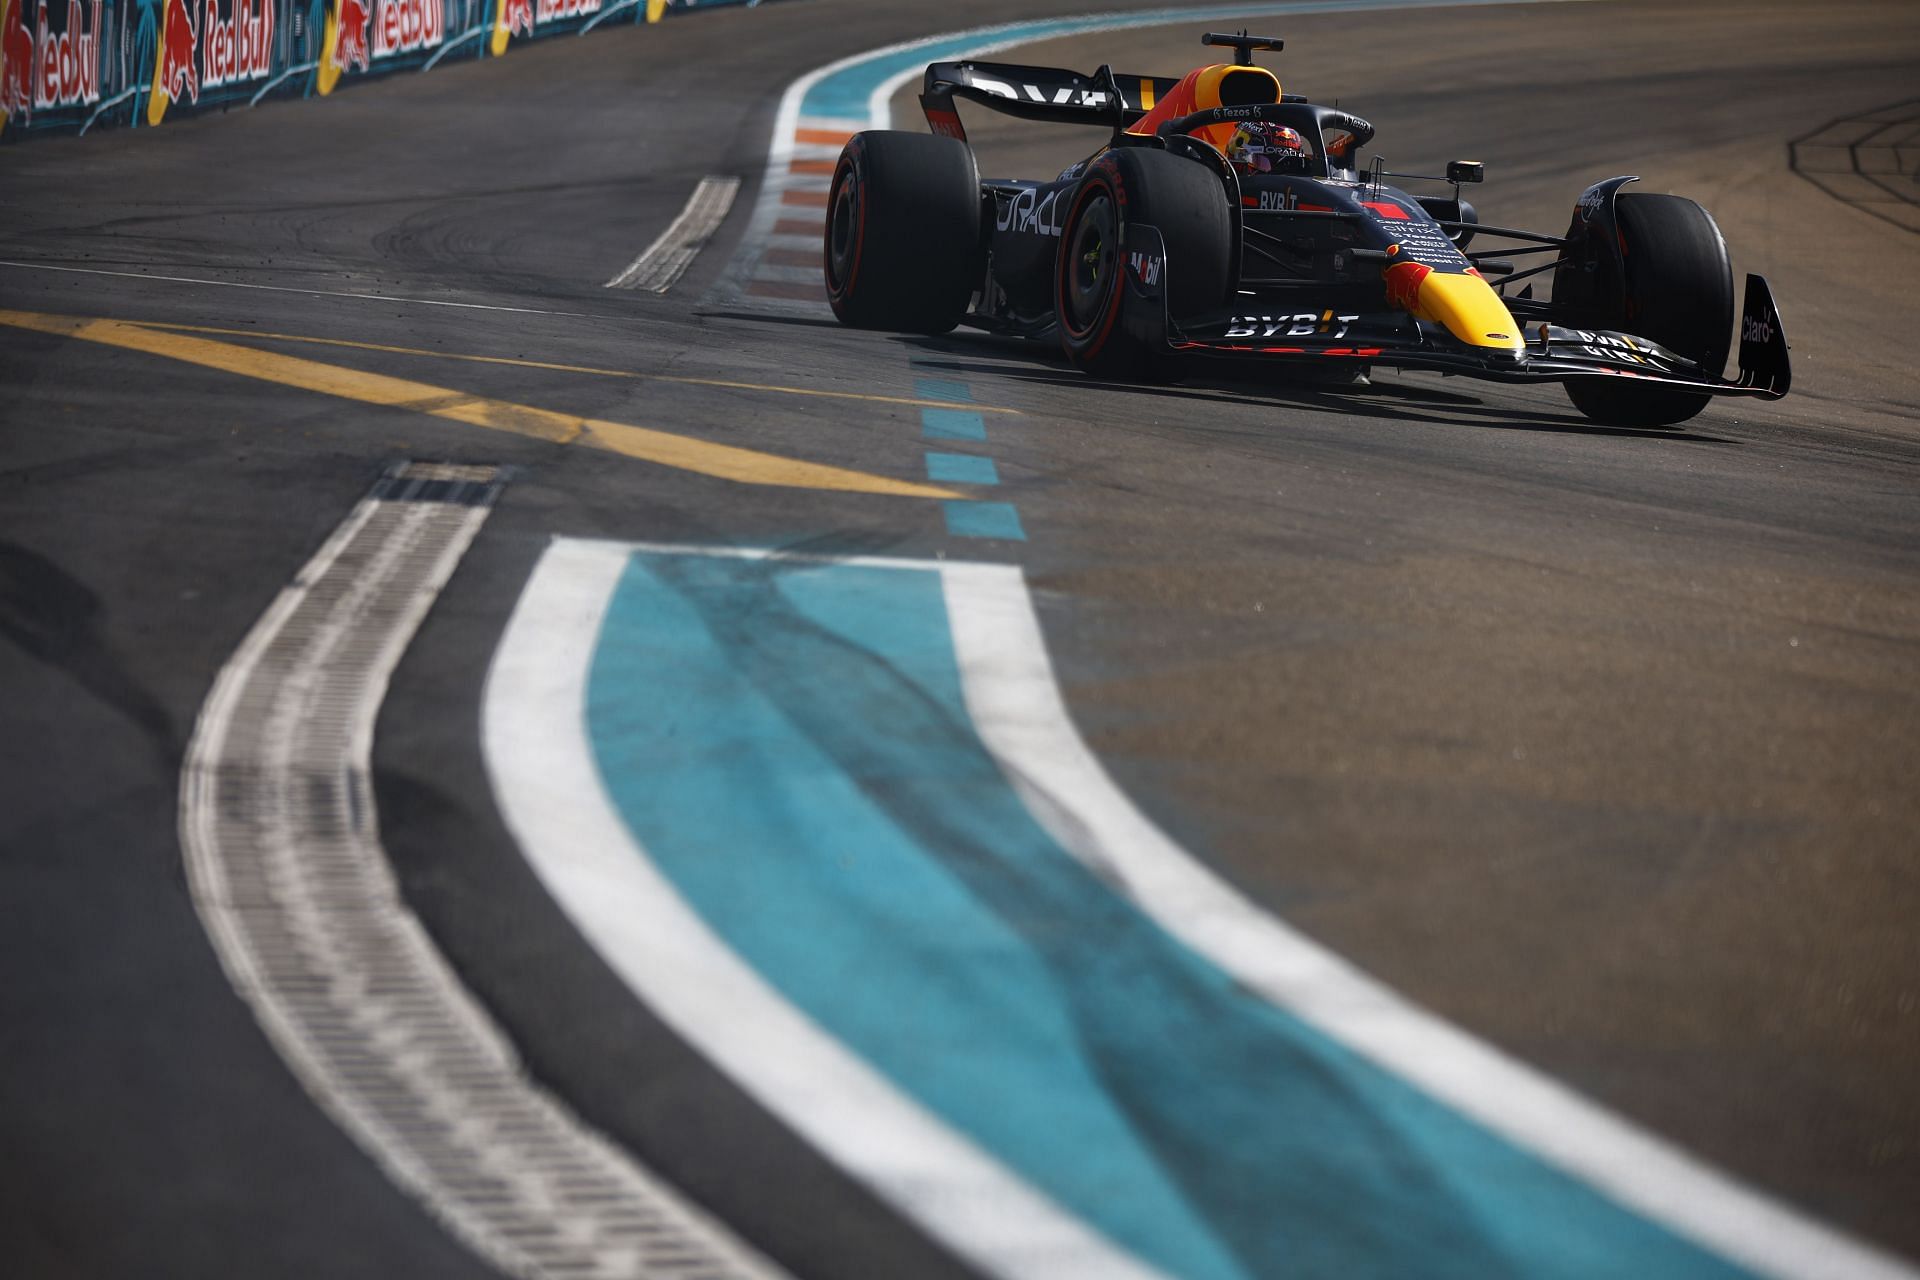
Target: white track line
x: 667, y: 258
x: 1016, y: 706
x: 547, y: 782
x: 548, y: 786
x: 313, y: 293
x: 287, y: 872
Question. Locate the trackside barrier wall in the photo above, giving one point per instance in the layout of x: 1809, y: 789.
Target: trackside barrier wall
x: 67, y: 66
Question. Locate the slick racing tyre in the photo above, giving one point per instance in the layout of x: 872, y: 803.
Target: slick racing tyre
x: 1679, y: 292
x: 1180, y: 197
x: 903, y: 232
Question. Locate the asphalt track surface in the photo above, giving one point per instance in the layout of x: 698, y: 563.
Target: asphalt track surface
x: 1598, y: 743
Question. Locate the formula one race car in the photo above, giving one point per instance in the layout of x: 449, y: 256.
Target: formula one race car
x: 1225, y: 218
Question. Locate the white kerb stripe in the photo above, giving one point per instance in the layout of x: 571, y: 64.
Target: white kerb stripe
x: 667, y: 258
x: 1016, y: 706
x: 288, y: 875
x: 547, y: 783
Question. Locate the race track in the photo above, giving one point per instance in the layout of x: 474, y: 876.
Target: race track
x: 1595, y: 748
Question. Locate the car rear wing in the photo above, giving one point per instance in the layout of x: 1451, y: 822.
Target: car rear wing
x: 1038, y: 93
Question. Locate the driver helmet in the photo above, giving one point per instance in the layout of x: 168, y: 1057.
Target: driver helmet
x: 1260, y: 147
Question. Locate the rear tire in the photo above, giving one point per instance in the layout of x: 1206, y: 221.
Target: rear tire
x: 1679, y: 292
x: 1180, y: 197
x: 902, y: 247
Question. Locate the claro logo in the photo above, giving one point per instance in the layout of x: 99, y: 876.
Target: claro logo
x: 1756, y: 329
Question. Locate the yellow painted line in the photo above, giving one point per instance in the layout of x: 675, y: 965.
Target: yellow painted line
x: 727, y: 462
x: 571, y: 368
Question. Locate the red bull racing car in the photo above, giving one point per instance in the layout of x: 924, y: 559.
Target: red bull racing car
x: 1225, y: 218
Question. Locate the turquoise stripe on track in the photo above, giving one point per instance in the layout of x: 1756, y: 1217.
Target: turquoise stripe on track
x: 961, y: 468
x: 952, y: 424
x: 984, y: 520
x: 941, y: 389
x: 791, y: 746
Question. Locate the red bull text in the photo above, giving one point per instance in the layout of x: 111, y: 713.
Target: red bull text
x: 240, y: 48
x: 408, y: 24
x: 66, y: 68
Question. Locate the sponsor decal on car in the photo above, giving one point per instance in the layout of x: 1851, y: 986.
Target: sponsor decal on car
x: 1028, y: 214
x: 1064, y: 96
x: 1590, y: 201
x: 1307, y: 324
x: 1615, y: 347
x: 1403, y: 281
x: 946, y: 124
x: 1286, y: 201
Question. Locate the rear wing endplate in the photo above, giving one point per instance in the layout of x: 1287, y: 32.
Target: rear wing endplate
x: 1038, y: 93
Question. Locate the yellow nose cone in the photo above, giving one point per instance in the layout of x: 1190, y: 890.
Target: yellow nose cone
x: 1465, y: 305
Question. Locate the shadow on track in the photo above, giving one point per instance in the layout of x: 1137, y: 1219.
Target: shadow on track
x: 1392, y: 401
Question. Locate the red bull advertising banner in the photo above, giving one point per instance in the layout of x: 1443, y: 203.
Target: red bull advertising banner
x: 70, y: 66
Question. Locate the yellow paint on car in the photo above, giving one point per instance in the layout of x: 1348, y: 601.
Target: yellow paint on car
x: 1470, y: 310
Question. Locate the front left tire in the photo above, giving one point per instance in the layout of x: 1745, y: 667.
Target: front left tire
x: 1678, y: 292
x: 1182, y: 199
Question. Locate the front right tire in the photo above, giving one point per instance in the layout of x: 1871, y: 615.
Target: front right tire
x: 1679, y: 292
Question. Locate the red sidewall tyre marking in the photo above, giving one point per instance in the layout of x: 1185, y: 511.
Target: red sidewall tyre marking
x: 838, y: 291
x: 1106, y: 323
